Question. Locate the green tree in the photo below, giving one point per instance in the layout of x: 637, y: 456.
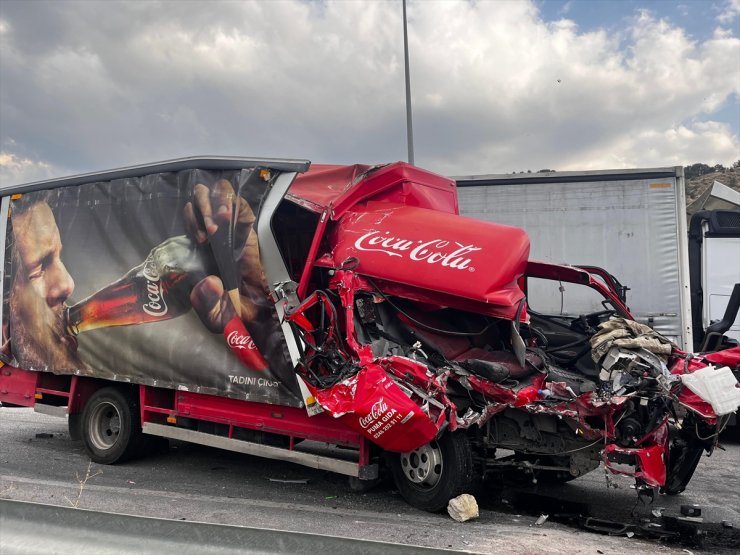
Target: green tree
x: 695, y: 170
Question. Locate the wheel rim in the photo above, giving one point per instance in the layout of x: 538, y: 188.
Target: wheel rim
x: 423, y: 466
x: 105, y: 426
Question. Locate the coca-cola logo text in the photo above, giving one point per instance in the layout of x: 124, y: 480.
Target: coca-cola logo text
x: 237, y: 341
x: 156, y: 305
x: 435, y: 251
x: 378, y: 408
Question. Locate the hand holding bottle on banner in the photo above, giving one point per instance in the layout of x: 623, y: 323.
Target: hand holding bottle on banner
x: 218, y: 217
x: 206, y: 270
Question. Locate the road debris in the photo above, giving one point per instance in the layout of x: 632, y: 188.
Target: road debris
x: 463, y: 507
x: 295, y: 481
x: 691, y: 510
x: 541, y: 520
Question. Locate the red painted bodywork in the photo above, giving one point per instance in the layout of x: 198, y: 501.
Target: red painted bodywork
x: 575, y: 274
x: 399, y: 238
x: 433, y: 251
x: 373, y: 405
x: 683, y: 365
x: 649, y: 463
x: 260, y: 416
x: 340, y: 188
x: 18, y: 387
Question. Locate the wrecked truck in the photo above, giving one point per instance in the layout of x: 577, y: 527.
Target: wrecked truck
x: 262, y: 306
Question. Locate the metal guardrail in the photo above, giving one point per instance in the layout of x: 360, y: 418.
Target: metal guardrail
x: 36, y: 529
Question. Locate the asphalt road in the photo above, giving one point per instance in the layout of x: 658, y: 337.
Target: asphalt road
x: 39, y: 463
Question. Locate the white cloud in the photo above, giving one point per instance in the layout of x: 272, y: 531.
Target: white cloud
x: 15, y: 170
x: 549, y: 96
x: 730, y: 11
x: 675, y: 146
x: 495, y: 88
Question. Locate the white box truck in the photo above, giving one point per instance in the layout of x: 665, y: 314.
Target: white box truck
x: 633, y: 224
x: 630, y: 222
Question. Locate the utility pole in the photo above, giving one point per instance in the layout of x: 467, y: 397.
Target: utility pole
x: 409, y: 127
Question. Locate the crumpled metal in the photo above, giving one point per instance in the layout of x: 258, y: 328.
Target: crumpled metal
x: 628, y: 334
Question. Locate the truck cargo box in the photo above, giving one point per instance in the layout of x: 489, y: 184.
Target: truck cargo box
x: 630, y: 222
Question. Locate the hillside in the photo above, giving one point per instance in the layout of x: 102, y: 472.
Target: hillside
x: 697, y: 185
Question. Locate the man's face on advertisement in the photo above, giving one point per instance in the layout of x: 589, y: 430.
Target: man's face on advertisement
x: 40, y: 287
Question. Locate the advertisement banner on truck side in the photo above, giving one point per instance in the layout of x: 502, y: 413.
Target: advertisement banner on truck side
x: 154, y: 280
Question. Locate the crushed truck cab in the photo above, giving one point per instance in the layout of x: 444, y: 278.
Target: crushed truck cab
x: 353, y: 305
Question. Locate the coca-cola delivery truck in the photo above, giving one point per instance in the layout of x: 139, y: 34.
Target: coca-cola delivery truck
x: 262, y: 305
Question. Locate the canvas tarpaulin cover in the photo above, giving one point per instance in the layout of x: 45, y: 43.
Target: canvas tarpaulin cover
x: 154, y: 280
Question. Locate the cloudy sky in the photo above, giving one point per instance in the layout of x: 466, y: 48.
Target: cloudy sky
x: 497, y: 86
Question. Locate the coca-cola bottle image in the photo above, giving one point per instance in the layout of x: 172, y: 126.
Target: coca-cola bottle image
x: 159, y: 289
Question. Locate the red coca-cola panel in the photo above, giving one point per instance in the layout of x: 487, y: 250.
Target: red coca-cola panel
x: 344, y: 187
x: 372, y: 404
x: 436, y: 251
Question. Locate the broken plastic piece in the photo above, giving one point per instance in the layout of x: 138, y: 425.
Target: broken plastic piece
x: 717, y: 386
x: 691, y: 510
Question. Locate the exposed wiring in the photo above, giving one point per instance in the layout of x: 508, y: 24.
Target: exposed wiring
x: 715, y: 434
x: 327, y: 348
x: 569, y: 451
x: 580, y: 448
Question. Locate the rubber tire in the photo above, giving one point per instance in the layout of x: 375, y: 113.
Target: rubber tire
x: 456, y: 477
x: 683, y: 458
x: 130, y: 440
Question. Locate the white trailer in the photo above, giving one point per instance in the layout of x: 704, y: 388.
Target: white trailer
x: 714, y: 261
x: 630, y: 222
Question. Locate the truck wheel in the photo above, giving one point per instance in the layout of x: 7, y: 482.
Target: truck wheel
x: 683, y: 457
x: 431, y: 475
x: 111, y: 429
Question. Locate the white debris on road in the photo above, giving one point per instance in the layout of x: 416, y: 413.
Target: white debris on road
x: 463, y: 507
